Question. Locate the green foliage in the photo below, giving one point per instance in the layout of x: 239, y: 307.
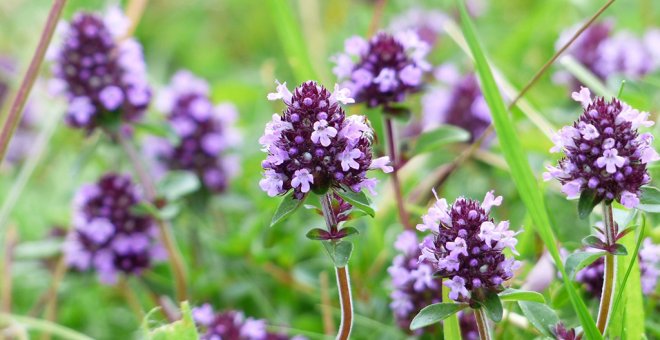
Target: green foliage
x: 521, y: 295
x: 435, y: 313
x: 288, y: 206
x: 339, y: 251
x: 578, y: 260
x: 177, y: 184
x: 431, y: 141
x: 358, y: 200
x: 183, y: 329
x: 541, y: 316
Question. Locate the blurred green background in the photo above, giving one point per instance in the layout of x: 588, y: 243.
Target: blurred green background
x: 241, y: 47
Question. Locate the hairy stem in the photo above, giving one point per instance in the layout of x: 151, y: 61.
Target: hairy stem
x: 403, y: 215
x: 609, y: 279
x: 174, y: 255
x: 343, y: 280
x: 16, y: 109
x: 482, y: 324
x: 344, y: 284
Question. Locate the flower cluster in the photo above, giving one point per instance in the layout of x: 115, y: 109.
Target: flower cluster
x: 231, y: 325
x: 466, y: 246
x: 107, y: 236
x: 205, y: 133
x: 413, y: 281
x: 314, y: 146
x: 457, y: 101
x: 383, y: 70
x: 606, y: 55
x: 101, y: 72
x: 649, y: 265
x: 604, y: 152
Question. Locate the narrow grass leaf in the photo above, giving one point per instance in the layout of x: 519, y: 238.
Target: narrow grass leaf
x: 521, y: 295
x: 521, y: 172
x: 43, y: 326
x: 576, y: 261
x: 450, y: 326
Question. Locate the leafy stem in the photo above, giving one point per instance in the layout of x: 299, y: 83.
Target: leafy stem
x: 610, y: 270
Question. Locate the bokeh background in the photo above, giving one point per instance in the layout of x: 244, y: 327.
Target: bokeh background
x: 234, y: 260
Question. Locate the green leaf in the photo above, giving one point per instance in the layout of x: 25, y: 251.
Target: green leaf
x: 592, y: 241
x: 541, y: 316
x: 585, y: 76
x: 434, y: 313
x: 521, y: 295
x: 317, y: 234
x: 631, y: 319
x: 588, y: 200
x: 649, y: 200
x: 358, y: 200
x: 288, y: 205
x: 619, y: 249
x: 144, y: 208
x: 348, y: 231
x: 559, y: 297
x: 339, y: 251
x: 493, y: 306
x: 169, y: 211
x: 36, y: 250
x: 177, y: 184
x: 576, y: 261
x: 521, y: 172
x: 399, y: 113
x: 163, y: 130
x: 184, y: 329
x: 433, y: 139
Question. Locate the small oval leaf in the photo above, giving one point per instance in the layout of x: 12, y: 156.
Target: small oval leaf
x: 318, y: 234
x: 358, y: 200
x: 521, y: 295
x: 434, y: 313
x: 432, y: 139
x: 588, y: 201
x: 339, y: 251
x: 177, y: 184
x: 288, y: 205
x: 493, y: 306
x: 541, y: 316
x: 576, y: 261
x: 649, y: 199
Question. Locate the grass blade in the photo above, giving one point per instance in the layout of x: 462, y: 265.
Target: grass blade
x: 293, y: 44
x: 43, y: 326
x: 521, y: 172
x: 450, y: 325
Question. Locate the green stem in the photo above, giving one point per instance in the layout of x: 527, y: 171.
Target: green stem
x: 16, y: 110
x: 609, y: 278
x: 482, y: 324
x: 403, y: 215
x: 343, y: 280
x: 174, y: 255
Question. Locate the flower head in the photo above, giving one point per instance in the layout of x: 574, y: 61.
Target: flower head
x: 604, y: 151
x: 413, y: 283
x: 231, y: 325
x: 383, y: 70
x: 103, y: 76
x: 314, y: 146
x: 457, y: 101
x: 466, y: 246
x: 205, y: 133
x: 108, y: 237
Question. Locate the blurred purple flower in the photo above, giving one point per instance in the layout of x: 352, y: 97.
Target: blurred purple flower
x: 314, y: 146
x: 463, y: 238
x: 107, y: 236
x: 606, y: 54
x: 383, y: 70
x: 232, y: 325
x: 457, y: 101
x: 427, y: 23
x: 604, y: 151
x: 206, y: 132
x: 101, y: 73
x: 649, y: 262
x: 25, y: 133
x: 413, y: 282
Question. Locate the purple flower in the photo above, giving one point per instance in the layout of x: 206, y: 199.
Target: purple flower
x: 232, y: 325
x: 605, y: 54
x: 313, y: 146
x: 427, y: 23
x: 468, y: 324
x: 465, y: 246
x: 414, y: 286
x: 457, y: 101
x: 385, y: 69
x: 205, y: 133
x: 108, y: 237
x: 649, y: 261
x: 604, y: 151
x: 102, y: 74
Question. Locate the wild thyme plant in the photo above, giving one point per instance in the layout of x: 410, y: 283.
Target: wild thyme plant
x: 313, y: 147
